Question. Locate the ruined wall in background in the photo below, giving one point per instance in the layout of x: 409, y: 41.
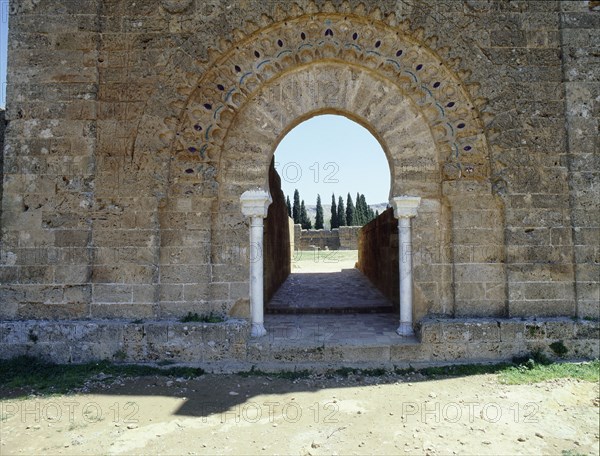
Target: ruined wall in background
x: 343, y: 238
x: 277, y: 252
x: 349, y: 237
x: 321, y: 239
x: 378, y: 254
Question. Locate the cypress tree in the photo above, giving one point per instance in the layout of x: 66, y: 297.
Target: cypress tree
x: 304, y: 220
x: 366, y: 210
x: 359, y: 210
x: 319, y: 216
x: 289, y: 205
x: 358, y: 213
x: 296, y: 207
x: 350, y: 210
x: 341, y: 213
x: 376, y: 214
x: 371, y: 214
x: 334, y: 216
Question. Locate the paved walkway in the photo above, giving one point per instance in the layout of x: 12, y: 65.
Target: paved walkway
x: 345, y: 291
x: 351, y: 329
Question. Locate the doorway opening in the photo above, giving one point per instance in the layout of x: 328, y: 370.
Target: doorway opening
x: 331, y: 177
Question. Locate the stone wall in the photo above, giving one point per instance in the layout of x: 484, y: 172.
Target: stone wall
x: 378, y: 254
x: 580, y: 34
x: 322, y: 239
x: 226, y: 347
x: 132, y: 134
x: 343, y: 238
x: 277, y: 259
x: 2, y: 128
x: 349, y: 237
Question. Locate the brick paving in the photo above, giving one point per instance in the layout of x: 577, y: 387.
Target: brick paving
x: 344, y: 291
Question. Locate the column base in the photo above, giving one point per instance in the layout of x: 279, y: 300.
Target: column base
x: 258, y: 330
x: 405, y: 329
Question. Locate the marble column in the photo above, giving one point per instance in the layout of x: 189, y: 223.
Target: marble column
x: 405, y: 208
x: 255, y: 204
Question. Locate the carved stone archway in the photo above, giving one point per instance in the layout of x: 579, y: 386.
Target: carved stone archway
x: 394, y: 85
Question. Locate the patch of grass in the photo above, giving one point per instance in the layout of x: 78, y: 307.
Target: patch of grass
x: 33, y: 337
x: 347, y: 371
x: 120, y: 355
x: 287, y: 375
x: 404, y: 371
x: 532, y: 372
x: 462, y: 370
x: 44, y: 377
x: 194, y: 317
x: 572, y: 453
x: 559, y: 348
x: 535, y: 357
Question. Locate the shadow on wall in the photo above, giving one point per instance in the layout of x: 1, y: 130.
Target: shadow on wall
x: 277, y: 251
x: 378, y: 254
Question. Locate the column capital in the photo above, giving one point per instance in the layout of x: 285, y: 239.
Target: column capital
x: 255, y: 203
x: 405, y: 206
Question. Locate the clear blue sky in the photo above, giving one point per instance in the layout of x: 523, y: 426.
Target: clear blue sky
x: 332, y: 154
x: 323, y: 155
x: 3, y: 45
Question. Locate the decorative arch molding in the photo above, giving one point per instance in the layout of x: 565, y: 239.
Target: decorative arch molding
x: 329, y: 88
x: 352, y: 91
x: 239, y: 73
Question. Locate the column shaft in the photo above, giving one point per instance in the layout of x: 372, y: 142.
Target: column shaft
x: 406, y: 285
x: 256, y: 277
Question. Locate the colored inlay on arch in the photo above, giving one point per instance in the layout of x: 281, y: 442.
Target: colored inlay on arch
x: 416, y: 78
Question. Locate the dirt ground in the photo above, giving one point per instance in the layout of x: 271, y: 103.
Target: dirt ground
x: 231, y: 414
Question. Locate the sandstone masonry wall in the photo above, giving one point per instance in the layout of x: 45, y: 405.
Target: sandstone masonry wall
x: 2, y: 128
x: 343, y: 238
x: 322, y: 239
x: 132, y: 131
x: 580, y: 34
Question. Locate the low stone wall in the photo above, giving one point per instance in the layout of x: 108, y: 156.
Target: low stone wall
x: 322, y: 239
x: 488, y: 340
x: 349, y: 237
x: 343, y: 238
x: 378, y: 254
x: 227, y: 345
x: 83, y: 341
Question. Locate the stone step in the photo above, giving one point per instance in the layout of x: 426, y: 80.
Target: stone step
x: 404, y: 352
x: 276, y: 310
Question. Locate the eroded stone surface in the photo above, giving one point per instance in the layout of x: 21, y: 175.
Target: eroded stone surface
x: 131, y: 136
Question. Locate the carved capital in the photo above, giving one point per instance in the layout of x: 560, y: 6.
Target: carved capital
x: 255, y: 203
x: 405, y: 206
